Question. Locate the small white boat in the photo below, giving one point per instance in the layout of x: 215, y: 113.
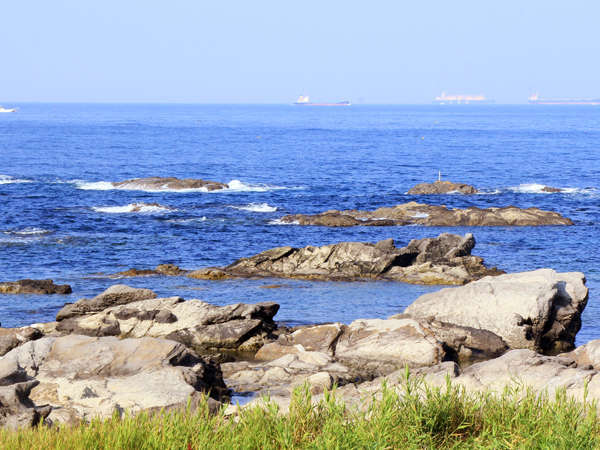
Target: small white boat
x: 2, y: 110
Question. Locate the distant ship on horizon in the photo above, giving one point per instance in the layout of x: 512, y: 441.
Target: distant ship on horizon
x: 456, y: 99
x: 535, y: 99
x: 304, y: 100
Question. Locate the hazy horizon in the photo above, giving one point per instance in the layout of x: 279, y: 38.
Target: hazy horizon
x: 268, y: 52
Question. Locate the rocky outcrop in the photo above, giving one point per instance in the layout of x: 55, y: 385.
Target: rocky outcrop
x: 27, y: 286
x: 168, y: 183
x: 551, y: 189
x: 118, y: 294
x: 161, y: 269
x: 17, y: 410
x: 446, y: 259
x: 196, y: 324
x: 13, y: 337
x: 539, y: 310
x: 413, y: 213
x: 442, y: 187
x: 83, y: 377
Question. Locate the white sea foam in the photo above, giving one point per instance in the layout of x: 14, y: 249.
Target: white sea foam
x: 536, y: 188
x: 191, y: 220
x: 7, y: 179
x: 280, y: 222
x: 142, y: 208
x: 257, y: 207
x: 232, y: 186
x: 29, y: 231
x: 420, y: 216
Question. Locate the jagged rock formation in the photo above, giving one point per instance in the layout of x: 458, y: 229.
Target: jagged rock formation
x: 413, y: 213
x: 442, y: 187
x: 446, y: 259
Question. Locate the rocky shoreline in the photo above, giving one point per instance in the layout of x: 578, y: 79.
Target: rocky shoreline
x: 127, y: 350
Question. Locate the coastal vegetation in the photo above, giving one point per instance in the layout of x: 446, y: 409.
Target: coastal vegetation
x: 412, y: 415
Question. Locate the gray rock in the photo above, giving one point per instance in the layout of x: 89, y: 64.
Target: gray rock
x: 539, y: 310
x: 442, y: 187
x: 28, y: 286
x: 13, y: 337
x: 170, y: 183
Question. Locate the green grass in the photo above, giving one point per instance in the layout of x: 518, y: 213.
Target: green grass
x: 416, y: 416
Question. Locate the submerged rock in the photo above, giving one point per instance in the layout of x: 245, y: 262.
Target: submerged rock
x: 161, y: 269
x: 538, y: 310
x: 413, y: 213
x: 169, y: 183
x: 443, y: 260
x: 27, y: 286
x: 83, y: 377
x: 442, y: 187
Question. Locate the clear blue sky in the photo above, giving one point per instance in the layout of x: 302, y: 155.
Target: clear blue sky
x: 271, y: 51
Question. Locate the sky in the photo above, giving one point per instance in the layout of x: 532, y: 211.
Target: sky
x: 224, y: 51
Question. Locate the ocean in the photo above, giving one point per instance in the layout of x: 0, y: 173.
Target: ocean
x: 60, y: 218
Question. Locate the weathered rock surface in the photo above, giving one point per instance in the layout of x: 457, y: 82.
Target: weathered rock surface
x: 442, y: 187
x: 168, y: 183
x: 17, y: 410
x: 118, y: 294
x: 82, y: 377
x: 443, y: 260
x: 27, y: 286
x: 551, y: 189
x: 196, y: 324
x: 587, y: 355
x: 13, y: 337
x: 161, y: 269
x: 539, y: 310
x: 413, y: 213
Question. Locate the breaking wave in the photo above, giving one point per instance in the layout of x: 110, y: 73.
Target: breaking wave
x: 143, y: 208
x: 7, y: 179
x: 232, y: 186
x: 280, y: 222
x: 257, y: 207
x: 536, y: 188
x: 28, y: 231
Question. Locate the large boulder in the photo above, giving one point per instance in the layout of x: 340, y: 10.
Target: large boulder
x: 442, y: 187
x: 118, y: 294
x: 168, y: 183
x: 13, y: 337
x: 539, y: 310
x: 413, y: 213
x: 27, y: 286
x: 198, y: 325
x: 83, y: 377
x: 446, y: 259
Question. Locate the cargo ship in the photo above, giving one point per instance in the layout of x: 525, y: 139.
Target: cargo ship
x: 304, y: 100
x: 445, y: 99
x: 535, y: 99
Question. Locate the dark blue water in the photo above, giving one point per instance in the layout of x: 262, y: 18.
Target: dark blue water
x: 298, y: 160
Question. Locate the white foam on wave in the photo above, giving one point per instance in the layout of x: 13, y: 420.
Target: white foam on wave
x: 536, y: 188
x: 94, y: 186
x: 141, y: 208
x: 29, y: 231
x: 280, y: 222
x: 7, y: 179
x: 191, y: 220
x: 232, y: 186
x: 257, y: 207
x: 420, y: 216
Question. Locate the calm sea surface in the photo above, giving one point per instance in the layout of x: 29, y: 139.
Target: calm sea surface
x: 59, y: 220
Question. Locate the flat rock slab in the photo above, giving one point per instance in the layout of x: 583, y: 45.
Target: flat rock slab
x: 83, y: 377
x: 169, y: 183
x: 538, y: 310
x: 413, y: 213
x: 446, y: 259
x: 442, y: 187
x: 27, y: 286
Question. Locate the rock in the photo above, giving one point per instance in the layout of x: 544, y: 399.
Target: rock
x: 442, y: 260
x: 385, y: 345
x: 168, y: 183
x: 13, y: 337
x: 587, y: 355
x: 118, y: 294
x: 442, y: 187
x: 27, y: 286
x: 83, y: 377
x: 539, y: 310
x: 551, y: 189
x: 196, y: 324
x: 161, y: 269
x: 413, y: 213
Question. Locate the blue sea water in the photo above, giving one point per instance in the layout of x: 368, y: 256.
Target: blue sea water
x: 58, y: 219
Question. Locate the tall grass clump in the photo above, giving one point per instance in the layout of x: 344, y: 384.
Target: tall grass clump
x: 409, y: 415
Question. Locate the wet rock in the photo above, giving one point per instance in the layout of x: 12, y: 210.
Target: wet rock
x: 551, y: 189
x: 442, y: 187
x: 83, y: 377
x: 118, y: 294
x: 539, y: 310
x: 161, y: 269
x: 169, y: 183
x: 413, y: 213
x: 442, y: 260
x: 196, y: 324
x: 27, y: 286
